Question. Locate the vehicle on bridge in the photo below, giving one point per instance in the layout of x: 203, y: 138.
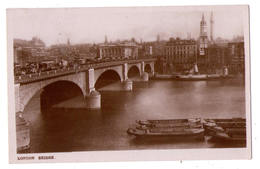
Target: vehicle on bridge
x: 47, y: 65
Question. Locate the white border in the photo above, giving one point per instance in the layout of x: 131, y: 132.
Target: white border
x: 202, y: 164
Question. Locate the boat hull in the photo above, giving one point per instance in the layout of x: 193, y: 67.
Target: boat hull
x: 224, y: 137
x: 170, y: 123
x: 226, y: 129
x: 197, y: 134
x: 199, y: 77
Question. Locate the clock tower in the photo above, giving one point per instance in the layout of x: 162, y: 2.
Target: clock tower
x: 203, y: 39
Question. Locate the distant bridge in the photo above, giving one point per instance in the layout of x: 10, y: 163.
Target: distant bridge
x: 85, y: 78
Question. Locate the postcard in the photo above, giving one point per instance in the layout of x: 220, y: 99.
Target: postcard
x: 128, y: 83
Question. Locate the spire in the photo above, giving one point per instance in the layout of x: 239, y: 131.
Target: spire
x: 211, y: 26
x: 203, y: 35
x: 203, y: 22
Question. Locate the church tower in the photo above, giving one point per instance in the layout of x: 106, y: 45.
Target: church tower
x: 203, y: 40
x: 211, y: 27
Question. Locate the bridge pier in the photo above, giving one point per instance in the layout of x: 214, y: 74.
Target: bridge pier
x: 145, y: 76
x: 22, y: 133
x: 127, y: 85
x: 93, y: 100
x: 93, y: 97
x: 125, y: 71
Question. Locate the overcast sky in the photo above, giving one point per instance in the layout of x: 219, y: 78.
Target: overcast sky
x: 88, y: 25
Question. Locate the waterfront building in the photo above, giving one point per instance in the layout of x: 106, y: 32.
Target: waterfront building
x: 218, y: 58
x: 87, y: 51
x: 237, y: 55
x: 153, y: 49
x: 146, y: 49
x: 125, y: 49
x: 179, y: 55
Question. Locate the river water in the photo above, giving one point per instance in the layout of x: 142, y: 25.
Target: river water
x: 71, y: 127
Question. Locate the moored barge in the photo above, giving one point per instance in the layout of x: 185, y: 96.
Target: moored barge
x: 226, y: 129
x: 174, y: 133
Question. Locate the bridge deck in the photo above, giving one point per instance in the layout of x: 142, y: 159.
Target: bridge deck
x: 28, y: 78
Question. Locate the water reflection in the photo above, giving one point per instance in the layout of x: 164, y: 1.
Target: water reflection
x: 71, y: 127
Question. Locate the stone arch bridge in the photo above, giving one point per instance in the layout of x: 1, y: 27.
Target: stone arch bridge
x: 84, y: 76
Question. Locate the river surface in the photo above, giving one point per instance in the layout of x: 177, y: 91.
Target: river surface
x: 72, y: 127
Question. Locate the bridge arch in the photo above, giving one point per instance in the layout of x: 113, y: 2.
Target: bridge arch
x: 148, y: 68
x: 27, y: 91
x: 133, y: 71
x: 57, y: 92
x: 107, y: 77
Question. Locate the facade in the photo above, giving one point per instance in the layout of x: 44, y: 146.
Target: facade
x: 153, y: 49
x: 28, y: 51
x: 64, y: 51
x: 118, y: 50
x: 34, y: 54
x: 179, y: 55
x: 218, y: 58
x: 237, y: 55
x: 24, y: 55
x: 146, y: 49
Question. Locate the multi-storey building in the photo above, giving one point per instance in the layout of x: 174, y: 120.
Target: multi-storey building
x: 153, y: 49
x: 217, y: 58
x: 28, y: 51
x: 179, y: 55
x: 237, y: 55
x: 124, y: 49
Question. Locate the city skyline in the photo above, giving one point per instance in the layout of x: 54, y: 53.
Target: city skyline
x: 88, y: 25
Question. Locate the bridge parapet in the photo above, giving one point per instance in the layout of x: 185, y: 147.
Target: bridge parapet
x: 70, y: 70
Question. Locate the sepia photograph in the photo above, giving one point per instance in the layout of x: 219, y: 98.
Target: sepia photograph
x: 128, y: 83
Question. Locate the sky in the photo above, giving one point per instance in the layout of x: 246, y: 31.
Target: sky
x: 90, y: 25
